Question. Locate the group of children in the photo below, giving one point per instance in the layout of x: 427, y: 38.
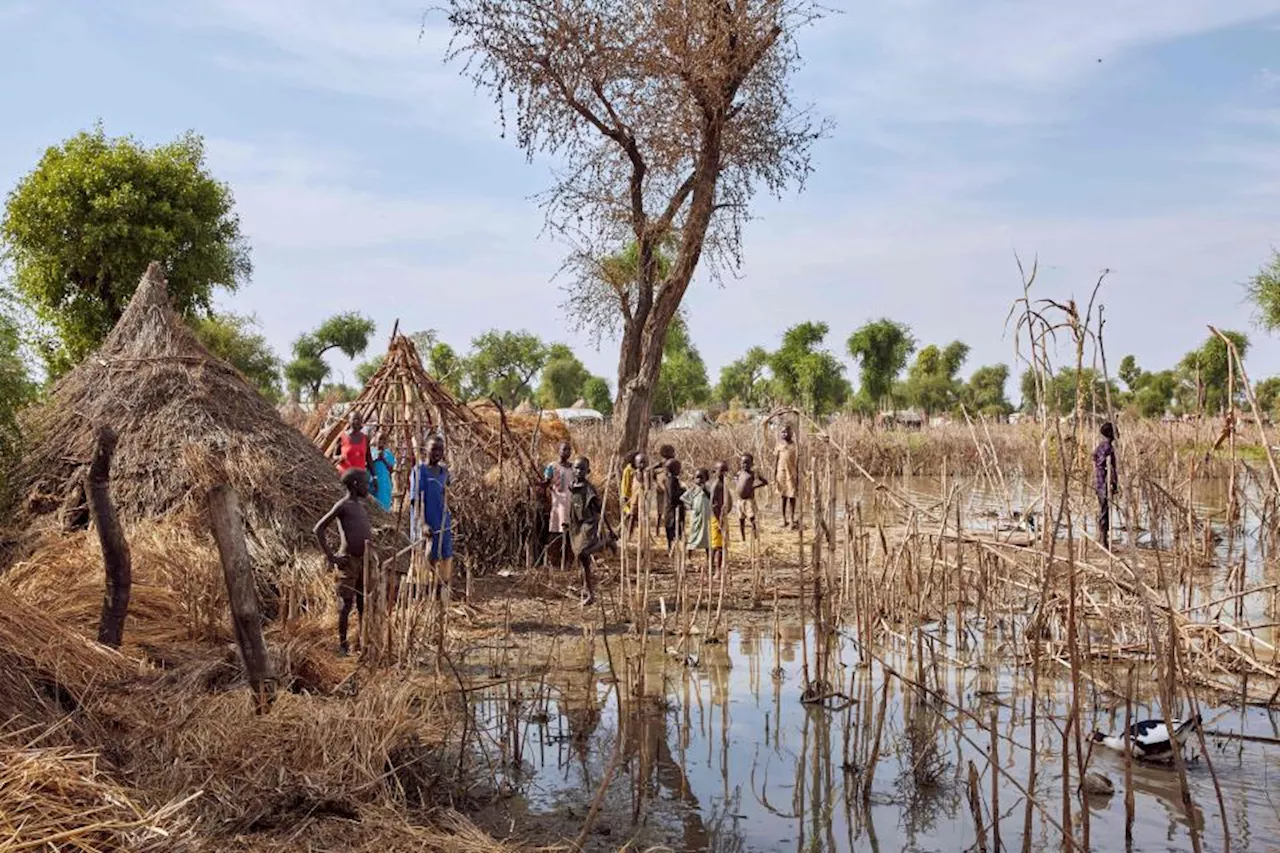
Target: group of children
x: 431, y: 523
x: 698, y: 514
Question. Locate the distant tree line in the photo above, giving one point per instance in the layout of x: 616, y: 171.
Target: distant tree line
x: 78, y: 230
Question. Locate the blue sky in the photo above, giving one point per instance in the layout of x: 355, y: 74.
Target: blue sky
x: 370, y: 176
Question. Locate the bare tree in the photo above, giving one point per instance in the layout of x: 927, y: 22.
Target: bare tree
x: 666, y: 116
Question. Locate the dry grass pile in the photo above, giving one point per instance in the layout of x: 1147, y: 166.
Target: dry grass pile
x: 185, y: 421
x: 540, y: 433
x: 103, y: 751
x: 178, y: 592
x: 311, y: 755
x: 57, y: 798
x: 50, y: 671
x: 376, y: 830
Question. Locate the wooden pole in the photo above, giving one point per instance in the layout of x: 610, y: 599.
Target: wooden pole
x: 115, y: 549
x: 228, y: 530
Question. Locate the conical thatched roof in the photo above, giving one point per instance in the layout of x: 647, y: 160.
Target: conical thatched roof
x: 495, y: 509
x: 185, y: 420
x: 525, y: 408
x: 408, y: 405
x: 579, y: 404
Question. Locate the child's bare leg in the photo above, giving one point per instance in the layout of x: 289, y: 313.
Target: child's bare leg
x: 588, y: 582
x: 346, y: 598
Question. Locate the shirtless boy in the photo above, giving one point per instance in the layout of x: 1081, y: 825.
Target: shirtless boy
x: 355, y: 532
x: 745, y: 485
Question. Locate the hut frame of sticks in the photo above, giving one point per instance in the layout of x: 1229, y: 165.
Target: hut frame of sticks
x: 494, y: 477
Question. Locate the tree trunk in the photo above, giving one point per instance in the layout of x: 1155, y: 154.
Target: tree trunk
x: 115, y: 549
x: 635, y: 402
x: 228, y: 530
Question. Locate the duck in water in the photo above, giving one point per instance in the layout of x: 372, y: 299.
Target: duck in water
x: 1151, y: 740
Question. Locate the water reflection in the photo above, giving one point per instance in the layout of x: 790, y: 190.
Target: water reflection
x: 729, y: 759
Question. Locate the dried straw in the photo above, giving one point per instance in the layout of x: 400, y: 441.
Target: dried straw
x: 186, y: 421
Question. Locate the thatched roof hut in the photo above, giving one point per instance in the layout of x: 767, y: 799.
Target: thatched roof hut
x: 493, y: 487
x: 185, y: 420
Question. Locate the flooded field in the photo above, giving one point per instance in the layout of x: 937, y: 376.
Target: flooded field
x: 840, y: 731
x: 730, y: 758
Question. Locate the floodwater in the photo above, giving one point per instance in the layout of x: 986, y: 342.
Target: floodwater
x: 732, y: 760
x: 722, y: 754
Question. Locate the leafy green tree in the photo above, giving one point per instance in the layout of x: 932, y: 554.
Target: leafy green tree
x: 1205, y: 373
x: 1155, y: 393
x: 984, y: 392
x: 502, y: 365
x: 1130, y: 374
x: 339, y: 392
x: 447, y: 368
x: 682, y: 379
x: 81, y: 228
x: 16, y: 387
x: 1264, y: 292
x: 235, y: 339
x: 743, y: 381
x: 563, y: 378
x: 348, y: 333
x: 881, y: 349
x: 807, y: 376
x: 932, y: 384
x: 1267, y: 393
x: 366, y: 369
x: 597, y: 394
x: 1060, y: 395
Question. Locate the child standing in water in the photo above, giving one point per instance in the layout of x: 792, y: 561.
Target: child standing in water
x: 355, y: 533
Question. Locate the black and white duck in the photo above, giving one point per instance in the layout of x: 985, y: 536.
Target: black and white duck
x: 1151, y: 739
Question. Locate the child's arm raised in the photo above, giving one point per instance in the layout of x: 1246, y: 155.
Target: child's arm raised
x: 321, y: 527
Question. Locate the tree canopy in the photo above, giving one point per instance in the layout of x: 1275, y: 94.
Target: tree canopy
x: 806, y: 375
x: 597, y: 394
x: 932, y: 383
x: 1264, y: 292
x: 348, y: 333
x: 16, y: 387
x: 235, y: 338
x: 503, y: 364
x: 562, y: 378
x: 667, y: 119
x: 683, y: 380
x: 1205, y: 373
x: 1060, y: 394
x: 984, y: 392
x: 881, y: 349
x: 1267, y: 393
x: 81, y: 228
x: 745, y: 381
